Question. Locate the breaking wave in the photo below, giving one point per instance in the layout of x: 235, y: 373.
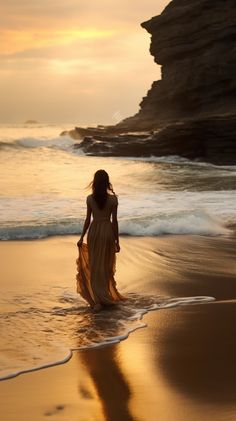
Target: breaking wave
x: 59, y: 142
x: 196, y: 222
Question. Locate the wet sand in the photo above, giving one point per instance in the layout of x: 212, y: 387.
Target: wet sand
x: 180, y: 367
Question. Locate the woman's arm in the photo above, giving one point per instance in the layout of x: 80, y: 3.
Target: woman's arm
x: 86, y: 225
x: 115, y: 226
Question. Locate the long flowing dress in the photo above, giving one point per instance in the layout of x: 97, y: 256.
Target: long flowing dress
x: 97, y: 260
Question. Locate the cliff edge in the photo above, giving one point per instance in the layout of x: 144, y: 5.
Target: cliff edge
x: 191, y: 111
x: 195, y: 43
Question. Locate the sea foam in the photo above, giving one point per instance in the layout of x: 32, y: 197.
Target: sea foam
x: 58, y: 142
x: 40, y: 337
x: 179, y: 223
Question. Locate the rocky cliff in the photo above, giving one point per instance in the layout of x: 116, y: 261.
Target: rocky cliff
x: 191, y: 111
x: 195, y: 43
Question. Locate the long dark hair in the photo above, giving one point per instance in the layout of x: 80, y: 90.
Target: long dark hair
x: 100, y: 187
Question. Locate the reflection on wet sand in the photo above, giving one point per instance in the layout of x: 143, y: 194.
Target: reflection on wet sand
x: 104, y: 369
x: 186, y: 356
x: 180, y: 368
x: 111, y: 386
x: 196, y: 352
x: 199, y: 265
x: 196, y: 345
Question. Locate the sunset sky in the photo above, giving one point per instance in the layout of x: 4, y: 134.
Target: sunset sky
x: 73, y: 61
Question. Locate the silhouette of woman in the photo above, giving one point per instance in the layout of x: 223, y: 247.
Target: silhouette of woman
x: 96, y: 261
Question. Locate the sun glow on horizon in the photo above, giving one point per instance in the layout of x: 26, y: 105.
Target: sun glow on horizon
x: 16, y: 41
x: 74, y: 61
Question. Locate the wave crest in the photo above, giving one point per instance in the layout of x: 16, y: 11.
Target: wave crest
x: 178, y: 223
x: 58, y: 142
x: 196, y: 222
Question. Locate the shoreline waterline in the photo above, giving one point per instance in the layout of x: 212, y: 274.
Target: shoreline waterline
x: 43, y: 306
x: 171, y: 303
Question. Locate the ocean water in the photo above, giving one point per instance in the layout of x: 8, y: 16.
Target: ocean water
x: 43, y: 193
x: 44, y: 179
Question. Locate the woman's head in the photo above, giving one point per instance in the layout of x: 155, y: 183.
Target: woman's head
x: 101, y: 186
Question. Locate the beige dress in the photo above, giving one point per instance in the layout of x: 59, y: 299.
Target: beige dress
x: 96, y: 261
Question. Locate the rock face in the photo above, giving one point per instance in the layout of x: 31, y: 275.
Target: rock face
x: 209, y: 140
x: 191, y: 111
x: 195, y: 43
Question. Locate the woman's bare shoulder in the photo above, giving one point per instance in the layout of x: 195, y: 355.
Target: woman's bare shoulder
x: 113, y: 198
x: 89, y: 197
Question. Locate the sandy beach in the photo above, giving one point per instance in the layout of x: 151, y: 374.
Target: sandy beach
x: 118, y: 123
x: 184, y: 359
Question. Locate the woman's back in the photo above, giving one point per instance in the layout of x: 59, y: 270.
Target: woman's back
x: 106, y: 211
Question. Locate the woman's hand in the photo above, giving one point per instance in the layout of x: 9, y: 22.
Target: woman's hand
x: 80, y: 242
x: 117, y: 247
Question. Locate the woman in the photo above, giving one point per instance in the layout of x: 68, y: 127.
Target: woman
x: 96, y: 262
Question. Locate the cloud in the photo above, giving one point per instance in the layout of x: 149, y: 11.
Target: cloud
x: 81, y: 12
x: 14, y: 41
x: 63, y: 60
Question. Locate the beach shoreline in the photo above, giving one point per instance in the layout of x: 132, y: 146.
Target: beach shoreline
x: 185, y: 355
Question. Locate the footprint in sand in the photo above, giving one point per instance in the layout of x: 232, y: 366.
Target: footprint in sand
x: 58, y: 408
